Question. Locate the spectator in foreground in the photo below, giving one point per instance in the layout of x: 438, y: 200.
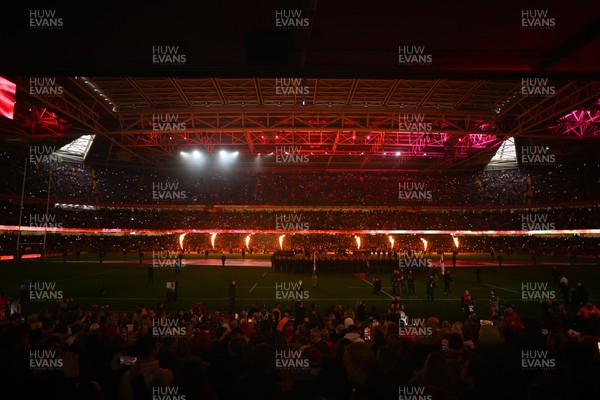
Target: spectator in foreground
x: 147, y: 349
x: 365, y: 375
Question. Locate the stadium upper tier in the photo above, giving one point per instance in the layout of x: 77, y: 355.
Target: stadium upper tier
x: 116, y: 185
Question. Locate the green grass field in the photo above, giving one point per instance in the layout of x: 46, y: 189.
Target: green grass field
x: 127, y: 284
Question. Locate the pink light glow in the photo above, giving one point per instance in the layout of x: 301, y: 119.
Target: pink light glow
x: 7, y: 98
x: 41, y: 230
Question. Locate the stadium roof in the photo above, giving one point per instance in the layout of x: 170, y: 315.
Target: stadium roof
x: 336, y: 91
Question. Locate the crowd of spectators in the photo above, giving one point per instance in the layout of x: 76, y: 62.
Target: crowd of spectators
x: 189, y: 218
x: 308, y: 352
x: 119, y: 185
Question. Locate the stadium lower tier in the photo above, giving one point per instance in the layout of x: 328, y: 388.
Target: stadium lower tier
x: 39, y: 215
x: 301, y: 244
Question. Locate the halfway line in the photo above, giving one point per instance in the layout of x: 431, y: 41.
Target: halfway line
x: 501, y: 288
x: 382, y: 291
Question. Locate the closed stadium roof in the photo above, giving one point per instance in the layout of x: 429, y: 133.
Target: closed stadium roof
x: 341, y: 89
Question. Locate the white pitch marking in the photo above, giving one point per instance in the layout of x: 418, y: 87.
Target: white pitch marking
x: 501, y: 288
x: 383, y: 291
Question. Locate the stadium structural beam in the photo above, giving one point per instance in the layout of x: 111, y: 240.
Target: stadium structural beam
x: 429, y: 93
x: 78, y: 113
x: 96, y: 99
x: 580, y: 124
x: 139, y: 91
x: 177, y: 87
x: 259, y: 97
x: 553, y: 107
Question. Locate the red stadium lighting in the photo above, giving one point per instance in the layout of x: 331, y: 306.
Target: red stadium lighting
x: 554, y: 232
x: 7, y: 98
